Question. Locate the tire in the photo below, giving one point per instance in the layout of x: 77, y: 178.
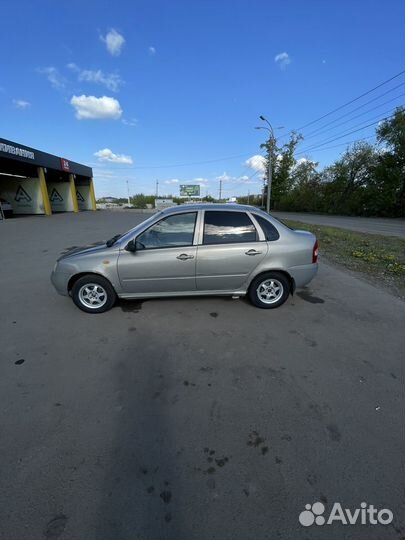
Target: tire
x: 82, y: 294
x: 269, y: 290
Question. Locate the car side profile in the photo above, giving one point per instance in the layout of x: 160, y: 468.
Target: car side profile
x: 192, y: 250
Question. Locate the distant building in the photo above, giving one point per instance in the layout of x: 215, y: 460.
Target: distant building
x: 34, y: 182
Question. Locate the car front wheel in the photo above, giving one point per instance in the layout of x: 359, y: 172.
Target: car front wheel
x: 269, y: 290
x: 93, y: 294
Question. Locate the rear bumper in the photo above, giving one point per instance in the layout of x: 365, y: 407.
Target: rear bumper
x: 303, y: 274
x: 60, y: 282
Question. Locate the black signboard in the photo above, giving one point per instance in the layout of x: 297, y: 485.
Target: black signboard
x: 25, y: 154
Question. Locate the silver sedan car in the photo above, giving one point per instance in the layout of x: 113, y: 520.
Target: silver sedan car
x: 192, y: 250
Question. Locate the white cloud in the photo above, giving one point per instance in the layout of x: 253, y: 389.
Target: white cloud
x: 173, y: 181
x: 151, y: 50
x: 282, y: 59
x: 203, y: 182
x: 21, y: 103
x: 224, y: 177
x: 53, y: 76
x: 114, y: 41
x: 110, y: 80
x: 302, y: 161
x: 107, y: 155
x: 93, y: 108
x: 244, y: 179
x: 130, y: 122
x: 257, y: 163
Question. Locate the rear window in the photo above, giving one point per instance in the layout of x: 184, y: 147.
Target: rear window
x: 228, y: 228
x: 269, y: 230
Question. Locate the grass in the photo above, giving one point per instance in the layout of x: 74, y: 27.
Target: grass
x: 380, y: 259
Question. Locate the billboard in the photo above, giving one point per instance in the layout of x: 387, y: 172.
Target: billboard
x: 189, y: 190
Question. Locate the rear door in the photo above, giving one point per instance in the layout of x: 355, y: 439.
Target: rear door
x: 165, y: 257
x: 230, y: 250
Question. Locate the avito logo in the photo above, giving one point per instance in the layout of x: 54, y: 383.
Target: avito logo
x: 22, y: 195
x: 55, y: 196
x: 367, y: 514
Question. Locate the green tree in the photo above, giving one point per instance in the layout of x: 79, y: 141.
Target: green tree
x: 345, y: 183
x: 389, y: 186
x: 138, y: 200
x: 282, y: 162
x: 253, y: 200
x: 306, y: 192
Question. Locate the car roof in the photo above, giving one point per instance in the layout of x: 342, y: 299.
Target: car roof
x: 228, y: 207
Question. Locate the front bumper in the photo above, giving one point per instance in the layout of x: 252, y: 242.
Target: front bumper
x: 60, y: 281
x: 303, y: 274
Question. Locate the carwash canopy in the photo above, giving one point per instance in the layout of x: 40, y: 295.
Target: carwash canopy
x: 35, y: 182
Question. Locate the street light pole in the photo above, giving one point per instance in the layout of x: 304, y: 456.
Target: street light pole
x: 269, y: 180
x: 269, y: 167
x: 269, y: 163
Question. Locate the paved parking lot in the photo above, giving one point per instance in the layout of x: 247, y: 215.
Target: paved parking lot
x: 192, y: 419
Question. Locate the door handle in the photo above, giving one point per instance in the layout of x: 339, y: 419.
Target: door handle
x: 253, y: 252
x: 185, y: 257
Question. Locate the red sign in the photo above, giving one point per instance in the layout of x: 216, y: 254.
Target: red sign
x: 64, y: 164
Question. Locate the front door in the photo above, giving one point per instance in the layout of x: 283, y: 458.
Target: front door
x: 165, y: 257
x: 230, y: 251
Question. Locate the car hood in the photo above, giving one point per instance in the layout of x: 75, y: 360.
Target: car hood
x: 82, y: 250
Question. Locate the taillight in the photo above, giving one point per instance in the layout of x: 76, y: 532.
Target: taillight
x: 315, y: 252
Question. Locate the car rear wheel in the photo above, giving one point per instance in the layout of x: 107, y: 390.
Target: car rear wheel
x: 269, y: 290
x: 93, y: 294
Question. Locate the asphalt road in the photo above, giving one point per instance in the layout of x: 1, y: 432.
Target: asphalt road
x: 385, y: 226
x: 192, y: 419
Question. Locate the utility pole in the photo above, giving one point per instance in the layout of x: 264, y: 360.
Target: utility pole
x: 220, y: 190
x: 271, y: 142
x: 269, y: 177
x: 248, y: 197
x: 157, y: 188
x: 129, y: 200
x: 264, y: 183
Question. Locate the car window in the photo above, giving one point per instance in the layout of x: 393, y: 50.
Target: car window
x: 228, y: 228
x: 269, y: 230
x: 172, y: 231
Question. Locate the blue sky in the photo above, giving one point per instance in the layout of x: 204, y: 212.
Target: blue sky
x: 147, y: 90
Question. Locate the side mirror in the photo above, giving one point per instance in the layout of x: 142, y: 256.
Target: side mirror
x: 131, y: 246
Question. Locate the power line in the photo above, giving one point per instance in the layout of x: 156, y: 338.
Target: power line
x: 344, y: 135
x: 351, y: 101
x: 186, y: 164
x: 365, y: 121
x: 341, y: 144
x: 229, y: 158
x: 321, y: 130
